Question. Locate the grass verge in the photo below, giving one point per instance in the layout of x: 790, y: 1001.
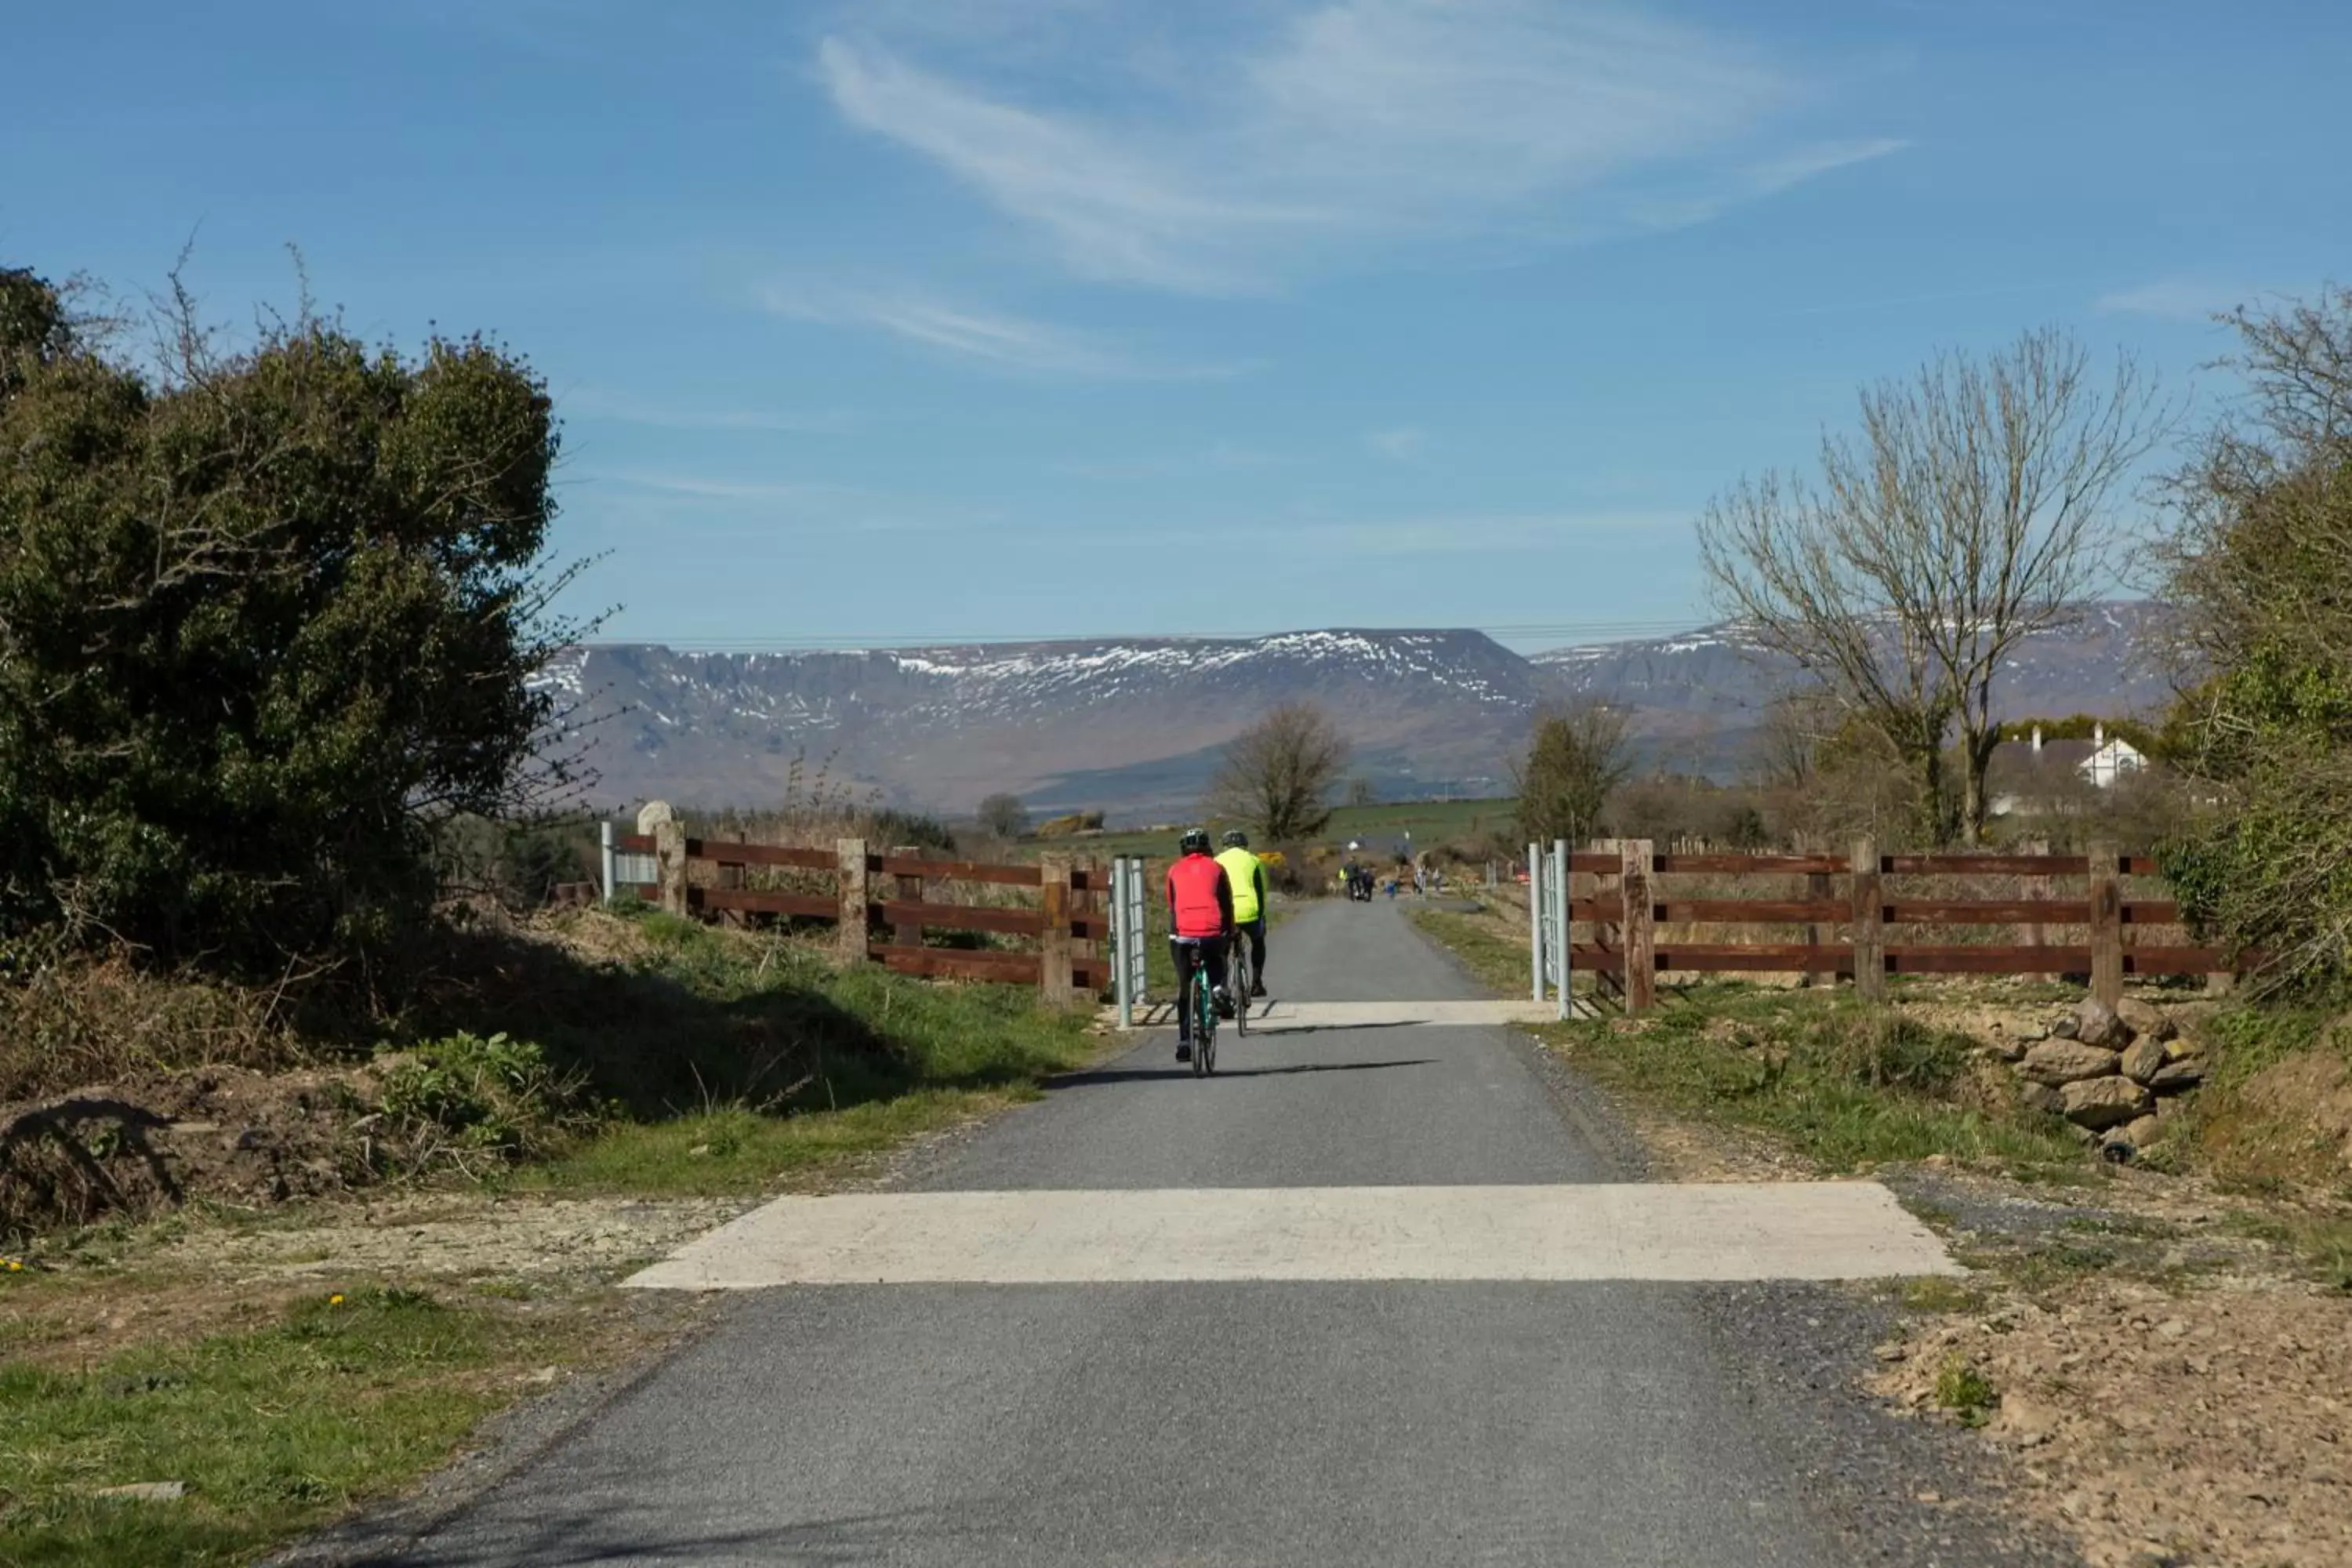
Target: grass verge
x: 1840, y: 1084
x: 344, y: 1398
x: 623, y: 1071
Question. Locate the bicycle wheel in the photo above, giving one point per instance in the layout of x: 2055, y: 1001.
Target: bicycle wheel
x: 1205, y: 1025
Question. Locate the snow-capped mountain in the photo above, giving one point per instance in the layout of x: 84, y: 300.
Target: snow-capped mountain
x: 1134, y: 726
x: 1696, y: 695
x: 1128, y: 725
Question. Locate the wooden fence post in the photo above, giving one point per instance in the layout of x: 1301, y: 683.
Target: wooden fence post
x: 2107, y: 924
x: 2037, y: 889
x: 855, y: 899
x: 1869, y: 929
x: 1609, y: 935
x: 1817, y: 891
x: 1054, y: 945
x: 908, y: 933
x: 669, y: 855
x: 1641, y: 959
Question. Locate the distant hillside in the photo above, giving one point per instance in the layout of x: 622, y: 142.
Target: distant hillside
x: 1697, y: 697
x: 1135, y: 726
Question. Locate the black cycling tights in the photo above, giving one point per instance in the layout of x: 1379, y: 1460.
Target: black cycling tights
x: 1190, y: 956
x: 1255, y: 931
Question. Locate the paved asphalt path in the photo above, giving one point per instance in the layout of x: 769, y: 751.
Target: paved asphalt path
x: 1255, y: 1423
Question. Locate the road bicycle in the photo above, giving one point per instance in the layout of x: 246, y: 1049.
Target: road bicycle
x: 1240, y: 981
x: 1205, y: 1023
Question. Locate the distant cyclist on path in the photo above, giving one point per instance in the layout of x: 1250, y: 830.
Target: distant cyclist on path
x: 1246, y: 872
x: 1200, y: 918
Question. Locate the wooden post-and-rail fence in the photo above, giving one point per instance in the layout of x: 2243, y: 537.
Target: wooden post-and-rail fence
x: 1644, y: 914
x: 882, y: 904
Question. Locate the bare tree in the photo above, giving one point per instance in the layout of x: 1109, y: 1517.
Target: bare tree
x: 1004, y: 816
x: 1574, y: 764
x: 1968, y: 513
x: 1278, y: 773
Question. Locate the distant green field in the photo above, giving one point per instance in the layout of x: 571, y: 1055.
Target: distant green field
x: 1380, y: 827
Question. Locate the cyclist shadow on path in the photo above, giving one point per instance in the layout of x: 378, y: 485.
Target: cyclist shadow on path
x: 1177, y: 1070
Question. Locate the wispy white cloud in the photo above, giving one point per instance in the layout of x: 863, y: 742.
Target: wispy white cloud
x: 1449, y: 534
x: 1226, y: 159
x: 2177, y: 299
x: 598, y: 404
x: 706, y: 487
x: 760, y: 503
x: 1397, y: 445
x: 998, y: 340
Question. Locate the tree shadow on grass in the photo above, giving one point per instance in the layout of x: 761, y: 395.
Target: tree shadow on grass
x: 659, y: 1047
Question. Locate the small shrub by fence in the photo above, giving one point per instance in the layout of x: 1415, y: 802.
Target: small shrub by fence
x: 1637, y: 914
x: 885, y: 906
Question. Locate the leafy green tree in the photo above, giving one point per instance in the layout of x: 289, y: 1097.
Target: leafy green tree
x: 267, y: 616
x: 2262, y: 563
x: 1573, y: 765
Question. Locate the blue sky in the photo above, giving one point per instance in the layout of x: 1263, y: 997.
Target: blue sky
x: 926, y: 319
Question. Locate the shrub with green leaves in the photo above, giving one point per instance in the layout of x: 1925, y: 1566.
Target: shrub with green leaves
x: 266, y: 615
x: 470, y: 1094
x: 2263, y: 567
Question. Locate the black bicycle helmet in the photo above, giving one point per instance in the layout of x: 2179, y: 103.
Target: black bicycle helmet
x: 1194, y: 842
x: 1235, y: 838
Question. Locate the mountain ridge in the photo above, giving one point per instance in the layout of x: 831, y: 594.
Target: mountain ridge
x: 1135, y: 725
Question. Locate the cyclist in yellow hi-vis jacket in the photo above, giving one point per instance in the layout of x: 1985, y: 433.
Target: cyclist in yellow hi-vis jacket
x: 1246, y: 872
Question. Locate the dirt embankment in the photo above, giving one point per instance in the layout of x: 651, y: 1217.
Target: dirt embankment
x: 226, y: 1133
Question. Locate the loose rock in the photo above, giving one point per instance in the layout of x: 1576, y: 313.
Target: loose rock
x: 2174, y: 1076
x: 2141, y: 1132
x: 2043, y: 1098
x: 2095, y: 1023
x: 2056, y: 1062
x: 2145, y: 1021
x: 2064, y: 1028
x: 147, y: 1491
x: 2101, y: 1102
x: 2142, y: 1060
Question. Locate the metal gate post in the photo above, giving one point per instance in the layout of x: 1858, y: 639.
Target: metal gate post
x: 1122, y: 938
x: 1535, y: 919
x: 610, y: 866
x: 1560, y: 919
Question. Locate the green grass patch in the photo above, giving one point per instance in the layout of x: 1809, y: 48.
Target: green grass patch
x: 1495, y: 962
x: 1842, y: 1084
x: 1967, y: 1393
x: 1941, y: 1294
x: 273, y: 1431
x: 735, y: 1150
x: 791, y: 1062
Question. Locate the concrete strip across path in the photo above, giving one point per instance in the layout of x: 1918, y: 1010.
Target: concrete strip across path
x: 1830, y: 1230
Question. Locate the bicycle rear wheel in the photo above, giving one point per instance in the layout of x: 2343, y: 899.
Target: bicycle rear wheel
x: 1205, y: 1025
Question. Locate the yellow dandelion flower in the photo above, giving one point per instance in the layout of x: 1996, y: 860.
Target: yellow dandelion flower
x: 334, y: 1300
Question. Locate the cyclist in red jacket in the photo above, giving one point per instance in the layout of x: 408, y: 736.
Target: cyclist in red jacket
x: 1200, y: 920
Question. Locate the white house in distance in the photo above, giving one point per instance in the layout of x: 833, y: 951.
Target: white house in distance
x: 2023, y: 771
